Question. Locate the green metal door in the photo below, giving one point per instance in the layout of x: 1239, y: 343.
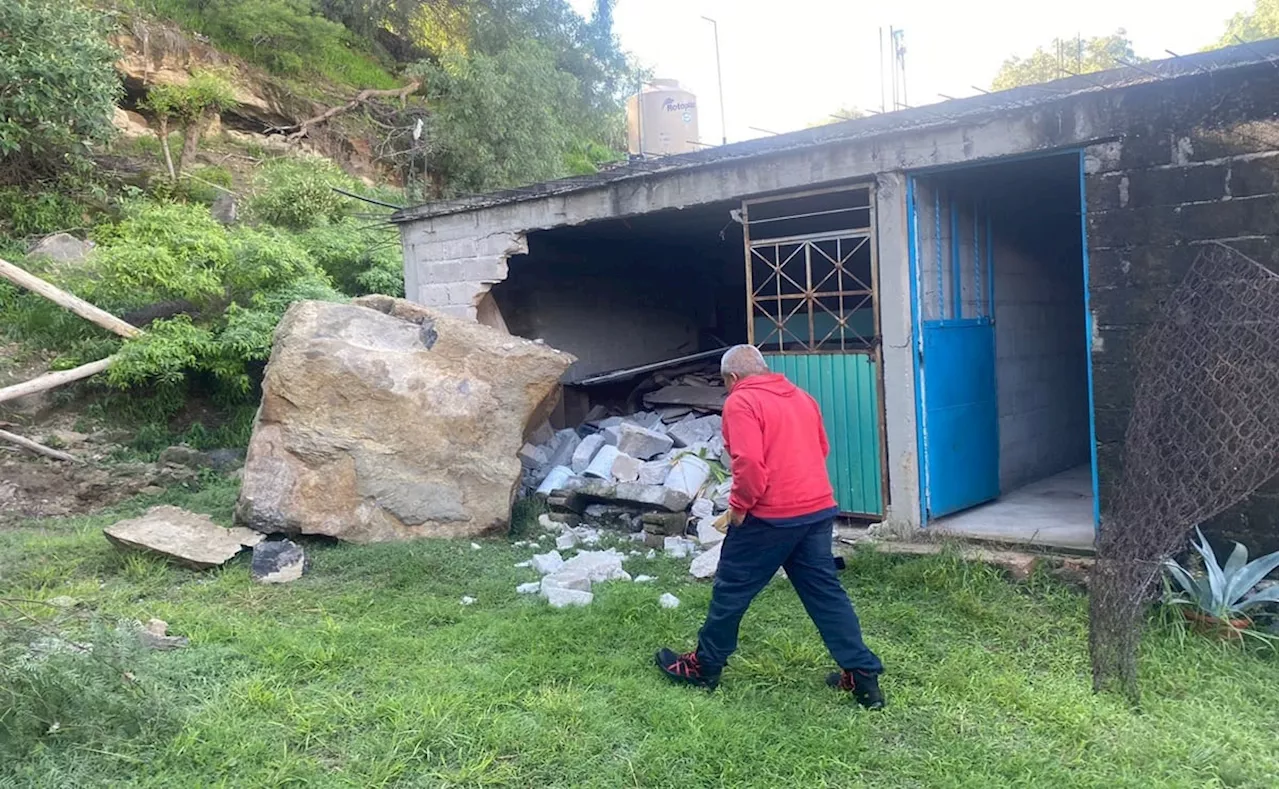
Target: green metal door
x: 811, y: 297
x: 846, y: 386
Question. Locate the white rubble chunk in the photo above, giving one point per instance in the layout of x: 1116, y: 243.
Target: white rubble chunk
x: 702, y: 508
x: 566, y: 541
x: 654, y: 472
x: 468, y: 601
x: 546, y: 563
x: 544, y: 520
x: 601, y: 466
x: 652, y: 554
x: 533, y: 587
x: 708, y: 534
x: 669, y: 600
x: 598, y: 565
x: 639, y: 442
x: 533, y: 457
x: 704, y: 565
x: 626, y: 468
x: 562, y: 598
x: 555, y: 479
x: 523, y: 564
x: 566, y: 579
x: 677, y: 547
x: 694, y: 431
x: 644, y: 579
x: 585, y: 452
x: 475, y: 546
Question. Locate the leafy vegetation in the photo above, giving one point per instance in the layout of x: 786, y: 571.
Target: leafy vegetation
x: 368, y: 672
x: 1063, y: 57
x: 1261, y: 23
x: 59, y: 87
x: 1225, y: 592
x: 191, y: 106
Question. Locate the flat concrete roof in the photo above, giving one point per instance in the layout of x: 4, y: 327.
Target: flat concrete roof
x: 942, y: 115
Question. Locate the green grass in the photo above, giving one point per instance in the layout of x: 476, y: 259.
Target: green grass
x: 368, y: 672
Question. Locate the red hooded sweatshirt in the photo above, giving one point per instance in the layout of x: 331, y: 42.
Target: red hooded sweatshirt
x: 773, y: 430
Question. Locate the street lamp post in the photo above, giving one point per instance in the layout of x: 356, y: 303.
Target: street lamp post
x: 715, y: 30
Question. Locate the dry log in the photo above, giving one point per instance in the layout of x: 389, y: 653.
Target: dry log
x: 55, y: 379
x: 360, y: 98
x: 79, y: 306
x: 39, y: 449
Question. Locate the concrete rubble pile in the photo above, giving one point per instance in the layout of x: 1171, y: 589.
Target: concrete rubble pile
x: 661, y: 473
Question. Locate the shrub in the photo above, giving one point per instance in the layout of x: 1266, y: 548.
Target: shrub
x: 296, y: 193
x: 59, y: 84
x: 24, y: 214
x: 360, y: 259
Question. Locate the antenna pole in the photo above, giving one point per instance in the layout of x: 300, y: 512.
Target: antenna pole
x: 724, y: 130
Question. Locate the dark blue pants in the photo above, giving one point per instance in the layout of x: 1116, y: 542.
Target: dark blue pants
x: 750, y: 556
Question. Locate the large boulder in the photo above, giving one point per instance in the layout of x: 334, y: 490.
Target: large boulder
x: 381, y: 420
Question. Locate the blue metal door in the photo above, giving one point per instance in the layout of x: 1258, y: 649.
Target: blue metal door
x: 955, y: 346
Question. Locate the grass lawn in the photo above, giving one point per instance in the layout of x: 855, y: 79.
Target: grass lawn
x: 368, y: 672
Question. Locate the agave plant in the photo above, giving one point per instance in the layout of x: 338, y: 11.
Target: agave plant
x: 1225, y: 592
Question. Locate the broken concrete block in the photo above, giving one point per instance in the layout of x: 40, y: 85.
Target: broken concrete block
x: 586, y: 450
x: 542, y: 434
x: 673, y: 414
x: 646, y: 419
x: 665, y: 523
x: 565, y: 579
x: 704, y: 564
x: 720, y: 494
x: 185, y: 537
x: 277, y: 562
x: 653, y: 540
x: 554, y: 480
x: 669, y: 600
x: 601, y: 466
x: 562, y: 598
x: 653, y: 472
x: 597, y: 566
x: 639, y: 442
x: 533, y: 457
x: 693, y: 431
x: 688, y: 476
x: 626, y: 468
x: 155, y: 635
x: 546, y: 563
x: 533, y: 587
x: 702, y: 508
x: 648, y: 496
x: 566, y: 443
x: 467, y: 600
x: 566, y: 541
x: 644, y: 579
x: 708, y: 534
x: 677, y: 547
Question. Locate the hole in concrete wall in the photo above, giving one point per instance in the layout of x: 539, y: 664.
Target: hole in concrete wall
x: 627, y: 292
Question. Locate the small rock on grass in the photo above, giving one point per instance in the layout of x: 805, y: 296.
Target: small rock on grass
x: 669, y: 600
x: 154, y: 635
x: 533, y: 587
x: 546, y: 563
x: 560, y: 597
x: 644, y: 579
x: 278, y: 562
x: 475, y: 546
x: 467, y: 600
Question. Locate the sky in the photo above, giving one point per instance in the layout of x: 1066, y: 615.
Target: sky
x: 788, y: 64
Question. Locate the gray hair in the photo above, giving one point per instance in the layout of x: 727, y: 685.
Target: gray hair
x: 743, y: 360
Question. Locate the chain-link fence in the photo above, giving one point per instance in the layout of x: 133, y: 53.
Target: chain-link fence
x: 1202, y: 435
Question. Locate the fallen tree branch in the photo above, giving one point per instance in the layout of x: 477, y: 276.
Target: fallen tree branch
x: 79, y: 306
x: 55, y: 379
x: 39, y: 449
x: 360, y: 98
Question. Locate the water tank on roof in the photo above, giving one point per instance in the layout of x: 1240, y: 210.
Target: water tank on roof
x: 662, y: 119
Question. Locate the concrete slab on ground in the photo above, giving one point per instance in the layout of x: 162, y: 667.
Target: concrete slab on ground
x: 1056, y: 512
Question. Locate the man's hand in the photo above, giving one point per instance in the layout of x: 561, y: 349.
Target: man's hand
x: 736, y: 517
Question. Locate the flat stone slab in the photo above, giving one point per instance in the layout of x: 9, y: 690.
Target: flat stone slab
x: 650, y: 496
x: 187, y: 538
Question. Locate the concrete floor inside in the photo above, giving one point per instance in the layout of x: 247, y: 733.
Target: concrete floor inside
x: 1056, y: 512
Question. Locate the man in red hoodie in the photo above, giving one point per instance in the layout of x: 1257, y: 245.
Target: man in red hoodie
x: 781, y: 514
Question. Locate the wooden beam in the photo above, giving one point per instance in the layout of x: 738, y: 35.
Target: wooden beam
x: 39, y: 449
x: 79, y: 306
x: 55, y: 379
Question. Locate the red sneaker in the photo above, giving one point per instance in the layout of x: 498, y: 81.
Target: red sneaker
x: 685, y: 668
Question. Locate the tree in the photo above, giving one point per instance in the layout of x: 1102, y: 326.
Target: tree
x: 1063, y: 57
x: 192, y: 106
x: 58, y: 87
x: 1261, y: 23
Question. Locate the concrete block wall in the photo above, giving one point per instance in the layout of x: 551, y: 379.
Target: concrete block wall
x: 1199, y: 166
x: 1042, y: 390
x: 451, y: 262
